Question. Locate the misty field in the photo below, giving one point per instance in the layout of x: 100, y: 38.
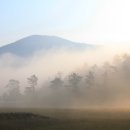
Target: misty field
x: 64, y: 119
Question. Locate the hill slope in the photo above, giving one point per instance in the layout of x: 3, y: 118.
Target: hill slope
x: 32, y: 44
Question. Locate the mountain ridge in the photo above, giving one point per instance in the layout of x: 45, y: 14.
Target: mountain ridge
x: 29, y: 45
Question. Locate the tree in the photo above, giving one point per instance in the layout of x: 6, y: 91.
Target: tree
x: 30, y: 94
x: 57, y: 82
x: 126, y: 66
x: 33, y: 82
x: 13, y: 89
x: 74, y: 79
x: 90, y: 79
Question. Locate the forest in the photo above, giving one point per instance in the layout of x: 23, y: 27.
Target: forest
x: 106, y: 85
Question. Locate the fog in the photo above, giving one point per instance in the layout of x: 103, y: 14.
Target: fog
x: 98, y: 77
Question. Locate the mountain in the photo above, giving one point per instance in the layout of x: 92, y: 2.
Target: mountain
x: 30, y: 45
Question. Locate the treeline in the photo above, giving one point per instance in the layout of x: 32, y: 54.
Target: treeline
x: 95, y: 85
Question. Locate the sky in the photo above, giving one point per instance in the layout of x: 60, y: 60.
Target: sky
x: 89, y: 21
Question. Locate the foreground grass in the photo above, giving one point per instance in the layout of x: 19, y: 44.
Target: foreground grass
x: 20, y: 119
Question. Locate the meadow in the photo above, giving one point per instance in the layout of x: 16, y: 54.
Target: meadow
x: 64, y: 119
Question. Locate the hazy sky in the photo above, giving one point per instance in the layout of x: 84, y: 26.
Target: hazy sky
x: 90, y: 21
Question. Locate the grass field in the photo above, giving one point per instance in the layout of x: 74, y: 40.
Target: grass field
x: 64, y: 119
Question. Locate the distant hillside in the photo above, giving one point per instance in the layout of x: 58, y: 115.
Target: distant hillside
x: 30, y: 45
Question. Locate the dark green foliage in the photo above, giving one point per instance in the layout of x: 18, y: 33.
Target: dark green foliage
x: 23, y: 120
x: 20, y: 115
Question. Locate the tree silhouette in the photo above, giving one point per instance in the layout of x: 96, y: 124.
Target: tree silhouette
x: 90, y: 79
x: 13, y: 87
x: 57, y: 81
x: 32, y: 81
x: 74, y: 79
